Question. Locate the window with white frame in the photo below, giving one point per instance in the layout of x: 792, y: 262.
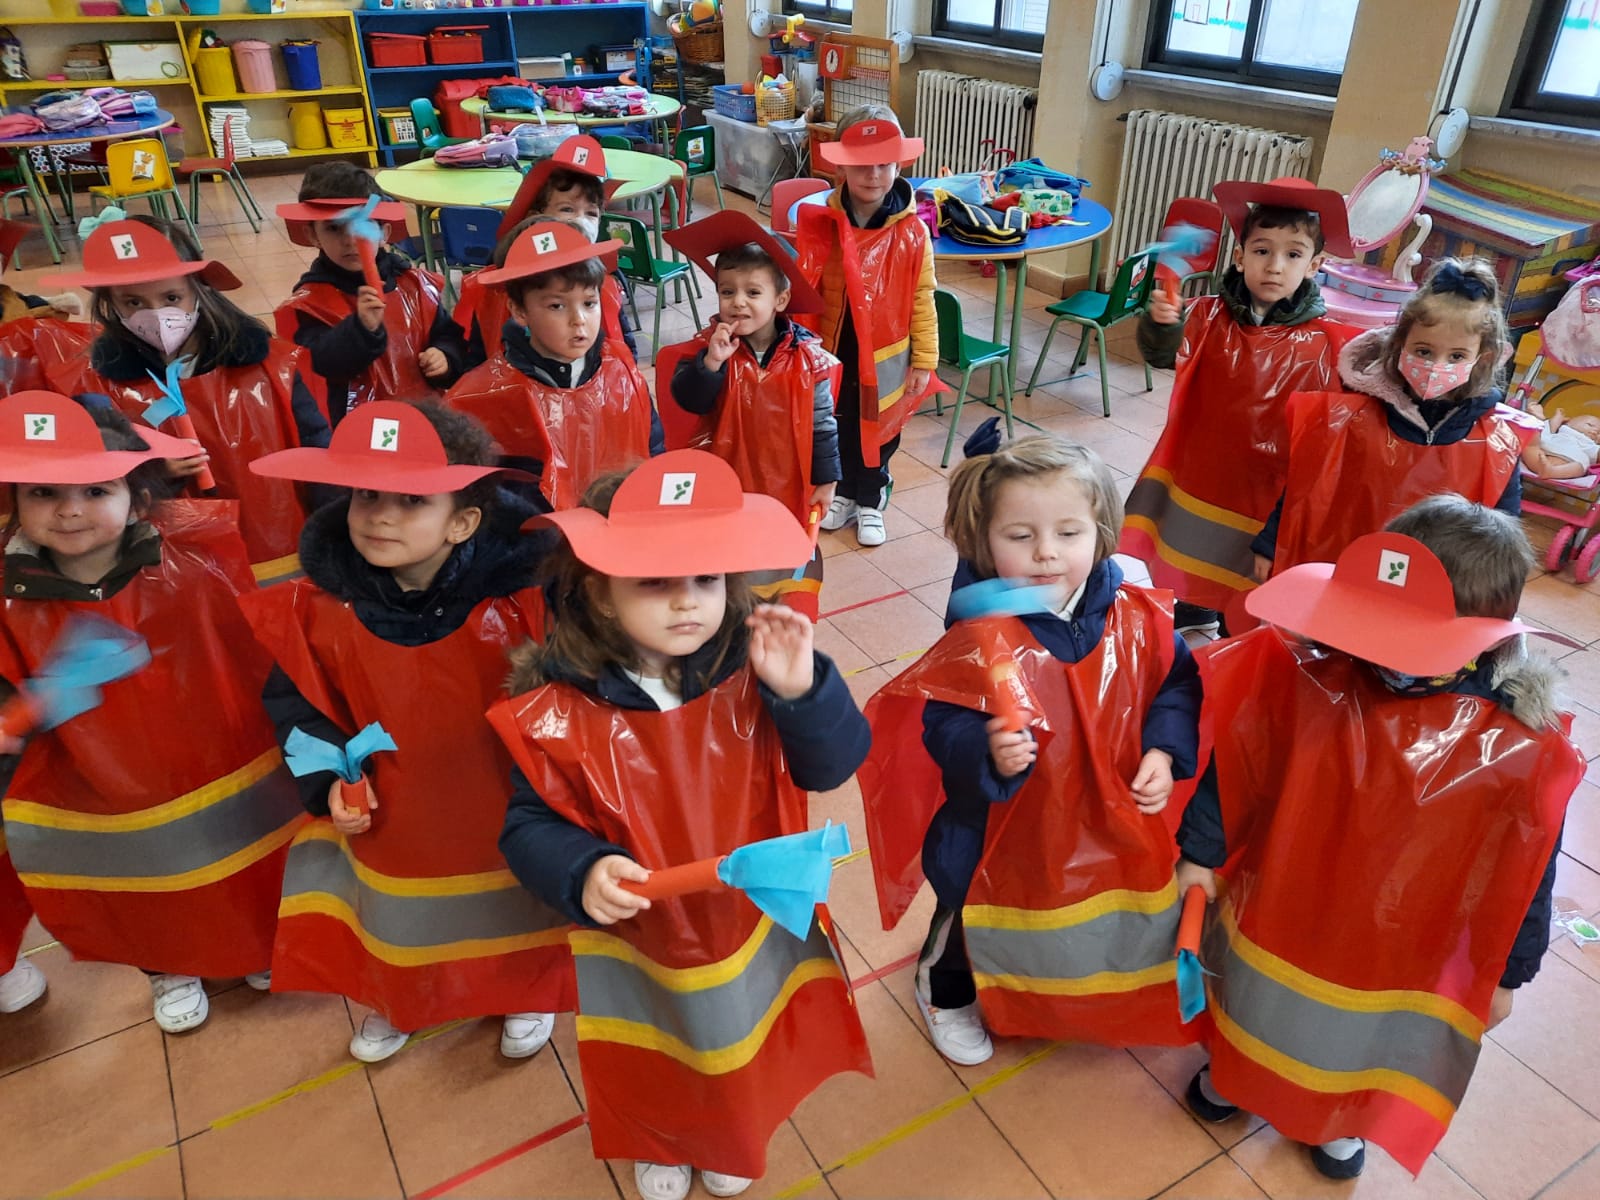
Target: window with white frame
x: 838, y: 11
x: 1557, y: 74
x: 1297, y: 44
x: 1017, y: 23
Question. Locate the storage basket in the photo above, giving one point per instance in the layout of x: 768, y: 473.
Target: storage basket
x: 731, y: 100
x: 774, y: 103
x: 697, y: 43
x: 397, y: 50
x: 456, y: 44
x: 253, y: 60
x: 346, y: 126
x: 213, y: 69
x: 300, y: 61
x: 399, y: 128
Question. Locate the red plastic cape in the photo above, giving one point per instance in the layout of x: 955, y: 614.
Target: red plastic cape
x: 891, y: 258
x: 1350, y: 475
x: 240, y: 414
x: 702, y: 1070
x: 419, y: 917
x: 1072, y: 914
x: 1384, y: 851
x: 153, y: 829
x: 1218, y: 469
x: 487, y: 305
x: 408, y: 316
x: 578, y: 433
x: 42, y: 353
x: 15, y: 911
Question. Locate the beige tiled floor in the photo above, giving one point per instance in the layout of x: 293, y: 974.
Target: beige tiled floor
x: 264, y: 1101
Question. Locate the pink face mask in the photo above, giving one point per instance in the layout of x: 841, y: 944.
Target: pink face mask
x: 1430, y: 380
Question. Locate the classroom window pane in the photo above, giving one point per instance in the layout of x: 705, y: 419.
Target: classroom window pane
x: 1574, y: 68
x: 1214, y: 28
x: 1309, y: 35
x: 970, y: 12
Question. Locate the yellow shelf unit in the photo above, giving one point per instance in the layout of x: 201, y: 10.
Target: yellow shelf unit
x: 45, y: 38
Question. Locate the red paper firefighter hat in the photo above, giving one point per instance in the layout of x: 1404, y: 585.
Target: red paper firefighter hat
x: 727, y: 229
x: 582, y: 154
x: 46, y: 437
x: 1288, y: 191
x: 298, y: 215
x: 1388, y: 601
x: 546, y: 247
x: 869, y: 144
x: 130, y: 252
x: 387, y: 446
x: 682, y: 513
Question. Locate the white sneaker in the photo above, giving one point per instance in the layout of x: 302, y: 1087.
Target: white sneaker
x: 719, y: 1184
x: 524, y: 1034
x: 376, y: 1040
x: 180, y: 1002
x: 261, y: 981
x: 840, y: 513
x: 21, y: 986
x: 869, y: 527
x: 658, y: 1182
x: 958, y: 1033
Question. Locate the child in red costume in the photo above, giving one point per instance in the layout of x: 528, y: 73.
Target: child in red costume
x: 416, y: 589
x: 1417, y: 418
x: 564, y: 402
x: 151, y: 830
x: 1048, y: 810
x: 21, y: 983
x: 872, y: 260
x: 668, y: 722
x: 1219, y: 466
x: 366, y: 344
x: 762, y: 384
x: 1378, y: 826
x: 158, y: 303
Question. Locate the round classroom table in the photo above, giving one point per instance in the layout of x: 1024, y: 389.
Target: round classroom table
x: 660, y: 111
x: 104, y: 131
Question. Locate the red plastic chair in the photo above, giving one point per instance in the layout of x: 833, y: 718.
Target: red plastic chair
x: 224, y: 167
x: 1207, y: 215
x: 785, y: 194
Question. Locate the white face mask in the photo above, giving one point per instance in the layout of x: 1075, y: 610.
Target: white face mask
x: 590, y: 227
x: 167, y: 329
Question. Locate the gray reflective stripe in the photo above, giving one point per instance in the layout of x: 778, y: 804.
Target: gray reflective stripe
x: 177, y: 847
x: 1337, y: 1039
x: 1121, y: 942
x: 892, y: 372
x: 319, y: 867
x: 1189, y: 533
x: 707, y: 1019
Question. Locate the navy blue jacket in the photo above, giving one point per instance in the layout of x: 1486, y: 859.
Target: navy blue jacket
x: 958, y: 742
x: 824, y: 738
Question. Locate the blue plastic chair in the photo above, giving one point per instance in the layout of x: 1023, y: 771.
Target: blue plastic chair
x: 466, y: 240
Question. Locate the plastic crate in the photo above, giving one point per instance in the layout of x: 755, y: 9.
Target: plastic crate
x: 399, y: 127
x: 456, y: 44
x: 731, y: 100
x: 346, y: 126
x: 397, y: 50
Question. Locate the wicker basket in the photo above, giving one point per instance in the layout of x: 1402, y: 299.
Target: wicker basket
x: 774, y: 103
x: 697, y: 43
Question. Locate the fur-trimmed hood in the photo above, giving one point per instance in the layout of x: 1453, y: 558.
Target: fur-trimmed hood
x: 1362, y: 369
x: 1528, y: 684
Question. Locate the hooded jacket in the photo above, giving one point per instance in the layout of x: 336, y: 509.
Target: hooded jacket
x: 1159, y: 344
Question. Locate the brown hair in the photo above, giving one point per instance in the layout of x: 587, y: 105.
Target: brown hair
x: 588, y: 273
x: 466, y: 443
x: 751, y: 255
x: 583, y: 640
x: 1271, y: 216
x: 1437, y: 302
x: 337, y: 181
x: 976, y: 483
x: 564, y: 179
x: 1484, y: 551
x: 148, y: 483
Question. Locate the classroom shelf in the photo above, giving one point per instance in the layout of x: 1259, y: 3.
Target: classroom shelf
x: 348, y: 89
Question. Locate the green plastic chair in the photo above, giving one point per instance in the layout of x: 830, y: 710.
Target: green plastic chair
x: 966, y: 353
x: 638, y: 265
x: 615, y: 141
x: 696, y: 149
x: 1097, y: 312
x: 430, y: 134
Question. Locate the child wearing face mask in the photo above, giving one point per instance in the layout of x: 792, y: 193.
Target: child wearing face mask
x: 159, y: 305
x: 1417, y: 418
x: 397, y: 343
x: 564, y: 402
x: 152, y: 829
x: 417, y: 586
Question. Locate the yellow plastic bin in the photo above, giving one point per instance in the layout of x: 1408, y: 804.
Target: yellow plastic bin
x: 346, y: 126
x: 213, y: 67
x: 306, y: 129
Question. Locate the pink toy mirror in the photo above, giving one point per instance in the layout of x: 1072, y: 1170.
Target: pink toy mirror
x: 1390, y: 195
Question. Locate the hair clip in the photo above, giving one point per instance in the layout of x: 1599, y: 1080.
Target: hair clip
x: 1453, y: 280
x: 87, y: 225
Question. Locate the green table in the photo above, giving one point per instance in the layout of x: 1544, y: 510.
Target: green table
x: 662, y: 111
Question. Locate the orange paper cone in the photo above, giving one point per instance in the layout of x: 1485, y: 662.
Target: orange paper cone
x: 355, y: 795
x: 678, y: 881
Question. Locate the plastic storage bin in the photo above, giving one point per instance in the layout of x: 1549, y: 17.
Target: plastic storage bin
x: 456, y: 44
x: 399, y: 128
x: 346, y: 126
x: 732, y: 101
x: 300, y: 61
x: 253, y: 61
x: 202, y: 8
x: 397, y: 50
x: 264, y: 7
x: 306, y: 128
x: 213, y: 69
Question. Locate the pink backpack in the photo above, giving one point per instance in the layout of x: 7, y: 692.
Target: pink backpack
x: 491, y: 150
x: 1572, y: 332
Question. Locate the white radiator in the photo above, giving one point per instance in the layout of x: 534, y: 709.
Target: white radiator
x: 966, y: 122
x: 1167, y: 155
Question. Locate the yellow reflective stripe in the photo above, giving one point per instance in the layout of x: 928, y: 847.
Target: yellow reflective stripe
x: 320, y: 904
x: 1190, y: 503
x: 1334, y: 995
x: 675, y: 979
x: 991, y: 916
x: 390, y: 885
x: 28, y: 812
x: 1185, y: 562
x: 1338, y: 1083
x: 708, y: 1062
x: 199, y: 877
x: 1089, y: 985
x: 274, y: 569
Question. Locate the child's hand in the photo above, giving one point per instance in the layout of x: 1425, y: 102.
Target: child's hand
x: 917, y: 381
x: 1194, y: 875
x: 721, y: 346
x: 823, y: 494
x: 780, y: 650
x: 432, y: 363
x: 1263, y: 568
x: 604, y: 898
x: 1011, y: 750
x: 1152, y: 783
x: 185, y: 468
x: 347, y: 820
x: 370, y: 307
x: 1500, y: 1006
x: 1162, y: 310
x: 10, y: 744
